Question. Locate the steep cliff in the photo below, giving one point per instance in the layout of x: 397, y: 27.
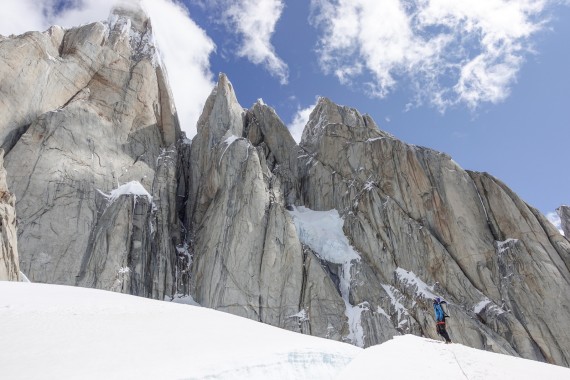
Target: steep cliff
x: 90, y: 112
x: 417, y: 225
x: 348, y: 235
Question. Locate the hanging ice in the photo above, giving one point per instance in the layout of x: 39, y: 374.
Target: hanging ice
x: 322, y: 232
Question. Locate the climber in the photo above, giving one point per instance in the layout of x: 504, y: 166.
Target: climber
x: 440, y: 318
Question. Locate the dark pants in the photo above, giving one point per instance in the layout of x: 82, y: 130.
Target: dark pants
x: 441, y: 331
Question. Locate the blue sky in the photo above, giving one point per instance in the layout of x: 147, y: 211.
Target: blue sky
x: 485, y: 81
x: 521, y: 139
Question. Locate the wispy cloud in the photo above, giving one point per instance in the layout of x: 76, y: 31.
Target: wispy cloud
x: 185, y: 47
x: 554, y: 218
x: 255, y: 21
x: 448, y: 51
x: 300, y: 120
x: 12, y: 22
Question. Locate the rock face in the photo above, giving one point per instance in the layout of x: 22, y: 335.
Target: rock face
x: 248, y: 259
x: 564, y: 213
x: 9, y: 263
x: 348, y: 235
x: 420, y: 226
x: 102, y: 119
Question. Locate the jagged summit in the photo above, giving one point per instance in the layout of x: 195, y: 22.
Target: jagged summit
x: 222, y: 103
x: 326, y: 113
x: 131, y: 10
x: 130, y: 19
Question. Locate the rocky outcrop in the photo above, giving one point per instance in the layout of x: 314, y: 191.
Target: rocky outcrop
x: 9, y: 263
x: 102, y: 119
x: 564, y: 214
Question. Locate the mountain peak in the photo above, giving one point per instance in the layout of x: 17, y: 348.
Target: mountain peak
x: 222, y: 103
x: 326, y: 113
x: 224, y: 86
x: 130, y: 19
x: 131, y: 10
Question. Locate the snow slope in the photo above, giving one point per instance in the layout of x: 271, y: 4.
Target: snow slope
x: 59, y: 332
x: 412, y: 357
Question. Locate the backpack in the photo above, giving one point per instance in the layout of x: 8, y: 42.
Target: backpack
x: 439, y: 313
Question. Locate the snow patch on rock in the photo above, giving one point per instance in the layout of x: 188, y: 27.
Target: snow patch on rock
x: 502, y: 246
x: 403, y: 314
x: 131, y: 188
x: 409, y: 278
x: 302, y: 315
x: 481, y: 305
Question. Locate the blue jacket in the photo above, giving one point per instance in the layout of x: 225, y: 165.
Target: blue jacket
x: 439, y: 314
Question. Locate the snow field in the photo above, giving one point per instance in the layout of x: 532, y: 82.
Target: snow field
x: 412, y: 357
x: 61, y: 332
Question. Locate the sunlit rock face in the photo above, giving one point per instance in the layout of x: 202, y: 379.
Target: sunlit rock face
x: 248, y: 259
x: 419, y: 225
x: 347, y: 235
x: 89, y: 112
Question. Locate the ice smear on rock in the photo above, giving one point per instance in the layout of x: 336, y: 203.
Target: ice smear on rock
x: 322, y: 232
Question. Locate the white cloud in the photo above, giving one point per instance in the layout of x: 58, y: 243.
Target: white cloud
x: 20, y: 16
x: 300, y: 120
x: 185, y: 47
x: 554, y: 218
x: 448, y: 51
x: 12, y: 22
x: 80, y: 12
x: 255, y: 21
